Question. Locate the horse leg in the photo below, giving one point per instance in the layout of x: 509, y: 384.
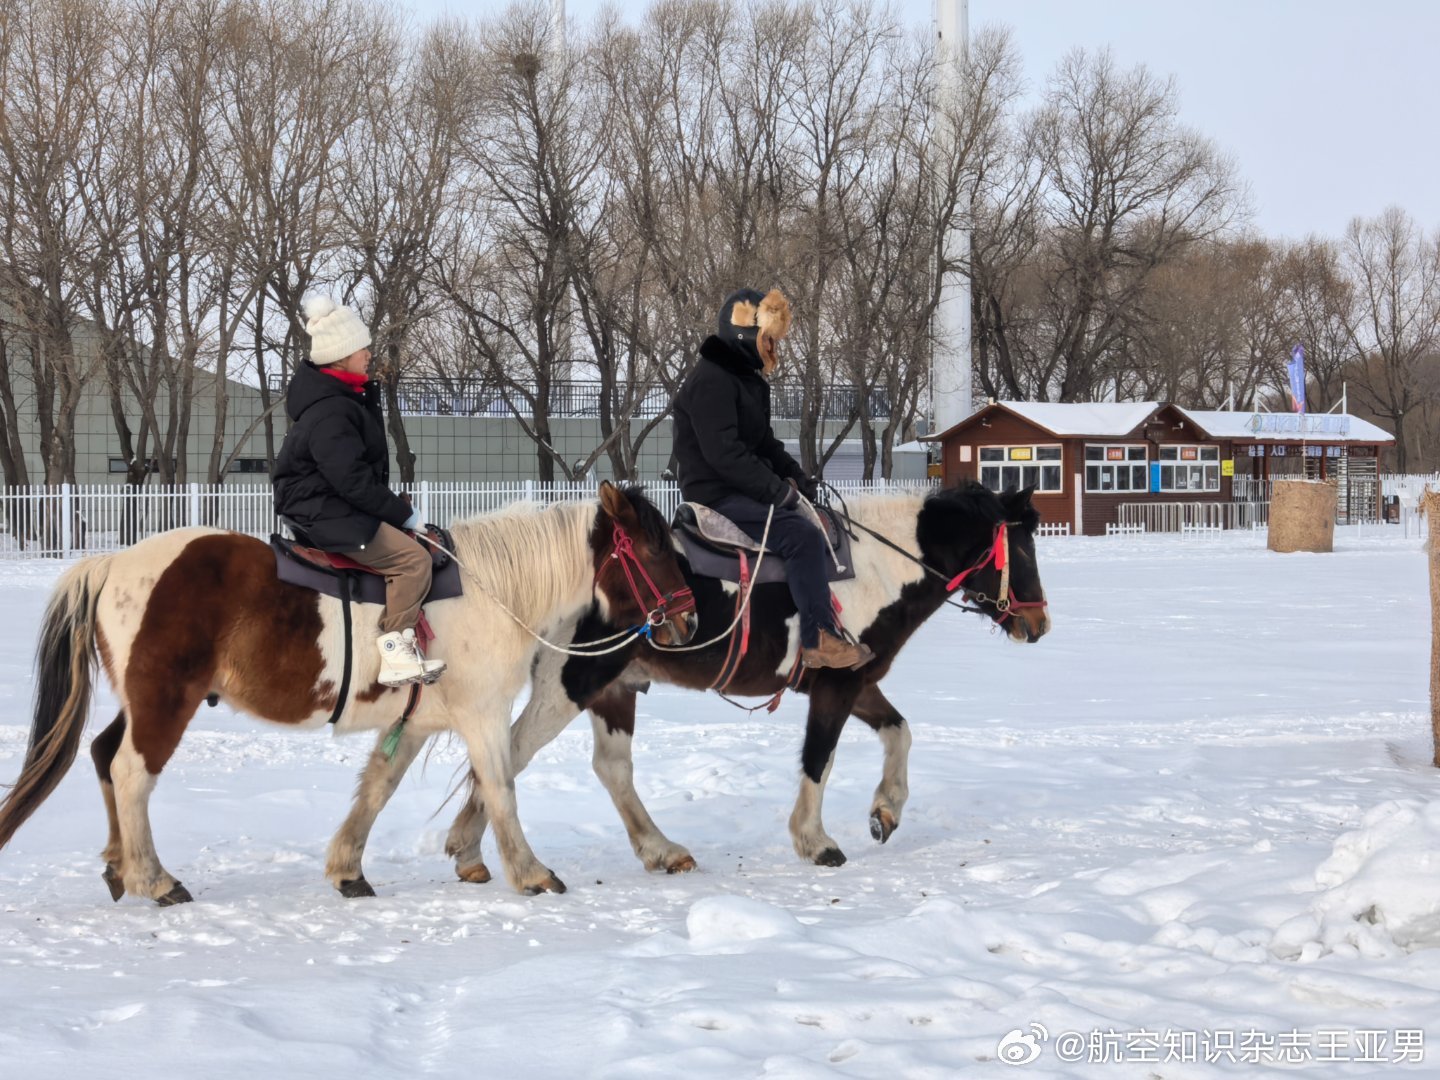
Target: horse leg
x: 378, y: 782
x: 830, y: 703
x: 894, y: 788
x: 613, y: 718
x: 487, y: 737
x: 544, y: 717
x: 102, y: 752
x: 157, y: 720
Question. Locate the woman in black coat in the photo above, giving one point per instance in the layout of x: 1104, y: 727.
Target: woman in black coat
x: 332, y: 481
x: 730, y: 460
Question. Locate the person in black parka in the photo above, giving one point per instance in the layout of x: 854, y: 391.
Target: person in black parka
x: 729, y: 459
x: 332, y: 481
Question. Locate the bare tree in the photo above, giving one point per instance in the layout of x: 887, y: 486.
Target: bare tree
x: 1126, y: 187
x: 51, y: 55
x: 1395, y: 267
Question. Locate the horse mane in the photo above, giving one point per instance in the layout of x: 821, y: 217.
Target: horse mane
x: 532, y: 556
x: 976, y: 501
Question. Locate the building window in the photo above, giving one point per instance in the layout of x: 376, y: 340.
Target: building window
x: 1115, y: 468
x: 1189, y: 468
x: 249, y: 465
x: 1006, y: 467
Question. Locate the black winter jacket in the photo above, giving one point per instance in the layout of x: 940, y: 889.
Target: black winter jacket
x: 723, y: 442
x: 332, y: 475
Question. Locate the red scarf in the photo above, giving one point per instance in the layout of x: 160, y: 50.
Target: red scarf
x: 349, y: 378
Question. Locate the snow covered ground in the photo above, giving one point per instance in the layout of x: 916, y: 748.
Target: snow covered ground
x: 1196, y: 821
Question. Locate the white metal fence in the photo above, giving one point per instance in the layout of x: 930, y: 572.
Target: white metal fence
x: 85, y: 519
x: 1182, y: 517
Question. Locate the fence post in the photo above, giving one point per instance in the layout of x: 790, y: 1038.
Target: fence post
x: 67, y: 520
x: 1429, y: 505
x: 195, y: 504
x: 529, y: 490
x: 423, y: 501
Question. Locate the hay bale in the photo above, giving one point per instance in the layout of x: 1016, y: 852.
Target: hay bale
x: 1302, y: 516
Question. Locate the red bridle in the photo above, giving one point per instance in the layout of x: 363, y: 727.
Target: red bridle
x: 999, y: 554
x: 623, y: 552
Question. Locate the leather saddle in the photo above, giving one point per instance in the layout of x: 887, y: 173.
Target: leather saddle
x: 299, y: 563
x: 713, y: 545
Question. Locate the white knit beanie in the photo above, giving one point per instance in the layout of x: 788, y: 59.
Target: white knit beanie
x: 335, y: 331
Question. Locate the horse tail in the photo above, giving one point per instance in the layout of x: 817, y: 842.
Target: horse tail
x: 65, y: 660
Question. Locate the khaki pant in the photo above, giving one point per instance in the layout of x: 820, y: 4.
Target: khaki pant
x: 406, y: 568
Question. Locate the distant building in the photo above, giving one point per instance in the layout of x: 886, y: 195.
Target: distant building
x: 1089, y: 461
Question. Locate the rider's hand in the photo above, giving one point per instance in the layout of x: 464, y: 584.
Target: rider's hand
x: 412, y: 522
x: 809, y: 487
x: 791, y: 499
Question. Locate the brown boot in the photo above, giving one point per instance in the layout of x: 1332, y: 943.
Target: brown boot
x: 834, y: 652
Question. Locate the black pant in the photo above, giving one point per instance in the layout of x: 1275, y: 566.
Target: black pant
x: 793, y: 537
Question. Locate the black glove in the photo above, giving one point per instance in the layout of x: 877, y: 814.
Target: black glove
x: 790, y: 499
x: 809, y: 487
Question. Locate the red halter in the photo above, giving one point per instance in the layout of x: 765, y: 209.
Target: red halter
x: 624, y: 553
x: 999, y: 554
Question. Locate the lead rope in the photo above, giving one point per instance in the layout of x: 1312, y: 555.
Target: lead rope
x: 623, y: 637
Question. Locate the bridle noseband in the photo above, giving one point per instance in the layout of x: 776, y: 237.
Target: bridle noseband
x: 667, y: 605
x: 998, y: 553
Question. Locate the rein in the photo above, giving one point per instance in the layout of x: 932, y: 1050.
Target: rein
x: 622, y: 638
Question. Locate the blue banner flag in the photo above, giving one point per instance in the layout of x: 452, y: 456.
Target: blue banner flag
x: 1296, y: 367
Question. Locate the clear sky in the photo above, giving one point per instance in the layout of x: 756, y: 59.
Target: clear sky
x: 1330, y: 109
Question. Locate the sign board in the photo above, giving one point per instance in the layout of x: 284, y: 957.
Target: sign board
x: 1227, y: 467
x: 1295, y: 424
x: 965, y: 453
x: 1020, y: 453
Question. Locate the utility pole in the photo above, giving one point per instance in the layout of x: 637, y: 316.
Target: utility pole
x: 951, y: 391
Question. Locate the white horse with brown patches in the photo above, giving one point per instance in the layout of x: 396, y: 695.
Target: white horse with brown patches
x: 199, y: 613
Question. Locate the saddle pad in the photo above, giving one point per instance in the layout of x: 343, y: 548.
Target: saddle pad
x: 365, y: 587
x: 710, y: 540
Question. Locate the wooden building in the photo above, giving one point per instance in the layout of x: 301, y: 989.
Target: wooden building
x: 1100, y: 465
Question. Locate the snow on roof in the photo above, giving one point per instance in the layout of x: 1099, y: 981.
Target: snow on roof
x: 1287, y: 427
x: 1086, y: 417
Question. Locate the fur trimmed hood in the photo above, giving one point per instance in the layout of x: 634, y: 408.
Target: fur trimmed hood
x: 753, y: 324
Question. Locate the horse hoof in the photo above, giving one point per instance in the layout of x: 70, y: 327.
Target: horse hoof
x: 550, y: 884
x: 113, y: 881
x: 882, y: 825
x: 478, y: 874
x: 681, y: 866
x: 355, y: 889
x: 831, y: 856
x: 177, y: 895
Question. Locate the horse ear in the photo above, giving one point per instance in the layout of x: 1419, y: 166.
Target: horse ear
x: 1015, y: 501
x: 614, y: 502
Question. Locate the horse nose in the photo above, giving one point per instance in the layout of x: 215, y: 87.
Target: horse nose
x: 689, y: 627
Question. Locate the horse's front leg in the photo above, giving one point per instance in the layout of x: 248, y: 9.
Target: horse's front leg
x: 487, y: 737
x: 894, y: 788
x: 831, y: 700
x: 544, y: 717
x: 378, y: 781
x: 613, y: 717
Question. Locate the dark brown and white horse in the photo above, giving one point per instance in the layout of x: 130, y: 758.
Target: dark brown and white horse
x: 197, y: 613
x: 963, y: 534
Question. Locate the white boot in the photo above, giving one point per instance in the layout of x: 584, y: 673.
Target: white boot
x: 401, y: 660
